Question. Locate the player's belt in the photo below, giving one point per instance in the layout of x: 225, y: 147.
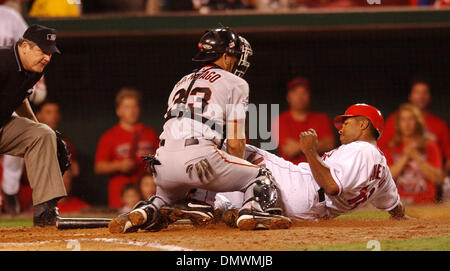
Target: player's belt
x: 187, y: 142
x: 212, y: 124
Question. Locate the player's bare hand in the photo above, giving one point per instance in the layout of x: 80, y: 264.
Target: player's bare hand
x: 127, y: 165
x: 256, y: 161
x: 308, y: 141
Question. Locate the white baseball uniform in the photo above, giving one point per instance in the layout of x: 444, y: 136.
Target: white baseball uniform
x: 358, y: 168
x: 12, y: 27
x: 216, y: 97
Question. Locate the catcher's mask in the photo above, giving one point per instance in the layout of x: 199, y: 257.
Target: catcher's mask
x: 215, y: 42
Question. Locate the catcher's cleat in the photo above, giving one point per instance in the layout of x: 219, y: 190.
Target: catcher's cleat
x: 148, y: 217
x: 254, y: 220
x: 229, y: 217
x: 122, y: 224
x: 200, y: 213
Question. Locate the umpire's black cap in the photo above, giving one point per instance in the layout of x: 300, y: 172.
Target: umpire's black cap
x: 43, y: 36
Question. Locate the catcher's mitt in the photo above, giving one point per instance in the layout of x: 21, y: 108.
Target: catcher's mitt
x: 63, y: 153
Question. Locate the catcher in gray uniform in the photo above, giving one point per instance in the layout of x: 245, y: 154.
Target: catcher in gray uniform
x: 204, y: 108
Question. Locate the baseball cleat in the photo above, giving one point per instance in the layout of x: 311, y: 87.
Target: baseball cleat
x: 121, y: 224
x: 200, y: 213
x: 229, y: 217
x: 139, y: 216
x: 148, y: 218
x: 254, y: 220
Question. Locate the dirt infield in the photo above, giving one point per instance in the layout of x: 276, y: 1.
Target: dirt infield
x: 431, y: 222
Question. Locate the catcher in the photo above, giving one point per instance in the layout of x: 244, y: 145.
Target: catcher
x: 204, y: 108
x: 46, y: 155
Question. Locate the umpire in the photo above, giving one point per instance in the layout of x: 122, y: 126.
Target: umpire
x: 21, y: 66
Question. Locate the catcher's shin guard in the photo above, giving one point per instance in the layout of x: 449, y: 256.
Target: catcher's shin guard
x: 262, y: 193
x: 258, y: 211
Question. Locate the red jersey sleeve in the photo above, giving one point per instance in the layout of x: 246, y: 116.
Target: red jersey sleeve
x: 434, y: 156
x: 326, y: 130
x: 104, y: 149
x: 388, y: 132
x: 283, y: 131
x: 387, y: 151
x: 446, y: 142
x: 154, y: 138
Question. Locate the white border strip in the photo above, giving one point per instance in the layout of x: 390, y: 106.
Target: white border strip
x: 140, y: 244
x: 102, y: 240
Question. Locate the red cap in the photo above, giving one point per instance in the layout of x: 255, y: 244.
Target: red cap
x: 297, y: 81
x: 368, y: 111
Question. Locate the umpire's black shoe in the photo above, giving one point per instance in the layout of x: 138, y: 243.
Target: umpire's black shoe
x: 46, y: 214
x: 12, y: 204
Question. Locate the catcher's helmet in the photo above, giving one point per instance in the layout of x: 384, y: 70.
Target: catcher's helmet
x: 368, y: 111
x: 215, y: 42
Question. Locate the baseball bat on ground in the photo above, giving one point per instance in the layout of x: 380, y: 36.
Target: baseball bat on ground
x: 82, y: 223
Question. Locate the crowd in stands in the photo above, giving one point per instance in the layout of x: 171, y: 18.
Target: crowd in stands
x: 416, y: 144
x: 75, y: 8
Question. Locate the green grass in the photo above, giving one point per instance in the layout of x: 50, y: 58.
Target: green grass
x: 16, y: 222
x: 418, y: 244
x: 366, y: 214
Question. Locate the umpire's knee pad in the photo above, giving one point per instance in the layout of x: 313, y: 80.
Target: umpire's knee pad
x: 264, y: 189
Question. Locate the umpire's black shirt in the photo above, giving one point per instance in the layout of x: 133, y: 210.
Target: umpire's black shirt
x: 15, y: 82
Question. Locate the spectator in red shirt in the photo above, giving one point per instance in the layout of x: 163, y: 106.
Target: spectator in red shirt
x: 49, y: 113
x: 414, y: 160
x: 298, y: 118
x: 435, y: 128
x: 120, y: 149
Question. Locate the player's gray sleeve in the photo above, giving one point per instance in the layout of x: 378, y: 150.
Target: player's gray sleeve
x: 238, y: 103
